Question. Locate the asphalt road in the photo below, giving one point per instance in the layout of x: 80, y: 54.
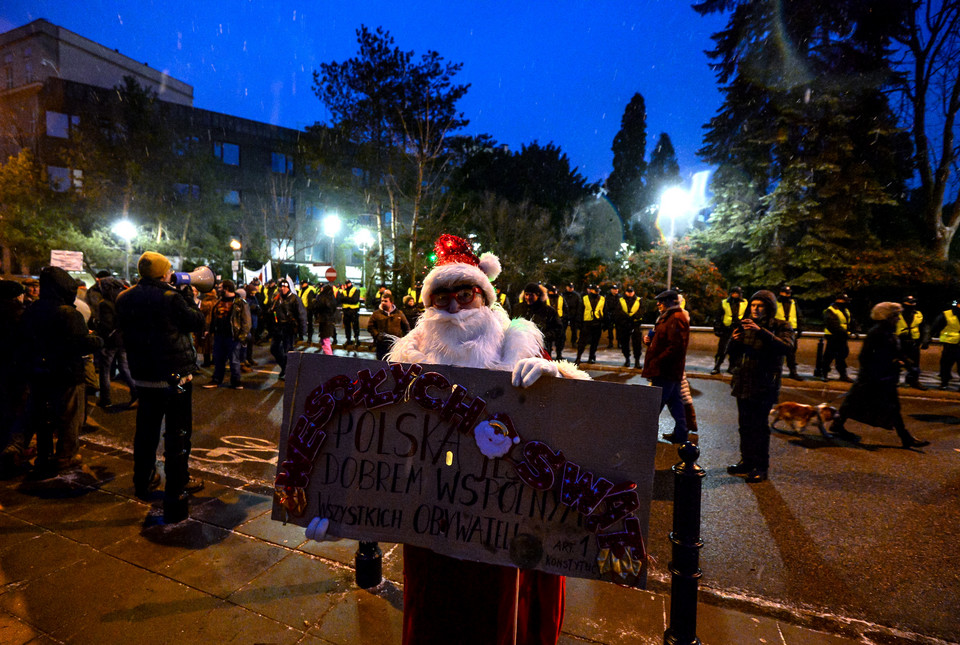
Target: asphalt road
x: 840, y: 531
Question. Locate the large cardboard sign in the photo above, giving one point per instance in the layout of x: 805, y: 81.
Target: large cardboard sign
x: 556, y: 477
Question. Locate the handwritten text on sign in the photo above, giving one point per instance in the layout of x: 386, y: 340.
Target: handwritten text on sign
x: 458, y: 460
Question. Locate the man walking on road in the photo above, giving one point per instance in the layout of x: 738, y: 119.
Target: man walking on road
x: 761, y: 342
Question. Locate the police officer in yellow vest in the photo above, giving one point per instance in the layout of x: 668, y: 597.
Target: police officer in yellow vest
x: 308, y: 294
x: 732, y: 309
x: 838, y: 324
x: 910, y: 330
x: 788, y: 311
x: 628, y: 326
x: 947, y: 326
x: 555, y: 300
x: 349, y: 298
x: 591, y: 324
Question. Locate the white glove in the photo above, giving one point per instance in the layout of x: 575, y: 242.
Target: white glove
x: 528, y: 370
x: 317, y: 530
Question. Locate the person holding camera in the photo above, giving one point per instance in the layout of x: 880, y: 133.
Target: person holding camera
x: 157, y: 321
x: 761, y: 342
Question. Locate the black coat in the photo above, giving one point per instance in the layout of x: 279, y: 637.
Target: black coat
x: 544, y: 317
x: 757, y: 374
x: 873, y: 399
x: 156, y: 322
x: 56, y: 338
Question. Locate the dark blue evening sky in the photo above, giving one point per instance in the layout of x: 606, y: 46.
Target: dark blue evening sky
x: 539, y: 71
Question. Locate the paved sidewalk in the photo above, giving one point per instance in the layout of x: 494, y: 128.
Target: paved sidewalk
x: 83, y: 561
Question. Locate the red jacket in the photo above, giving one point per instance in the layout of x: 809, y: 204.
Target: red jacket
x: 667, y: 353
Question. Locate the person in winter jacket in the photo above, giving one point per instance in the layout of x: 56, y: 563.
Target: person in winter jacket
x: 286, y: 318
x: 229, y: 322
x: 873, y: 399
x: 387, y: 323
x: 667, y: 357
x: 56, y: 339
x: 761, y: 342
x: 157, y: 322
x: 325, y: 314
x: 13, y: 388
x: 535, y: 309
x: 946, y: 326
x: 108, y: 330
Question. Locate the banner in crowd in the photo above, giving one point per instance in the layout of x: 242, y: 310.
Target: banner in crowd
x: 264, y: 273
x: 556, y: 477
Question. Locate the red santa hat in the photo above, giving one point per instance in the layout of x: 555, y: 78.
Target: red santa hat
x: 458, y: 265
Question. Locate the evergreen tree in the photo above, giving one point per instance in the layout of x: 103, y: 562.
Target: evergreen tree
x: 625, y: 184
x: 806, y: 143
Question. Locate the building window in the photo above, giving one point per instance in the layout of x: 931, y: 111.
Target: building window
x: 228, y: 153
x: 77, y: 178
x: 59, y: 178
x: 184, y: 145
x: 231, y: 197
x: 286, y: 205
x: 59, y: 124
x: 189, y: 192
x: 281, y: 163
x: 313, y: 210
x: 8, y: 78
x: 28, y: 71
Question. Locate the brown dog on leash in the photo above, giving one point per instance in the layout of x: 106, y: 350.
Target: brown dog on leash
x: 798, y: 416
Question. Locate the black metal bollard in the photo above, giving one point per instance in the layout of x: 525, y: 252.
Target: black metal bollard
x: 369, y: 563
x: 818, y: 370
x: 685, y: 563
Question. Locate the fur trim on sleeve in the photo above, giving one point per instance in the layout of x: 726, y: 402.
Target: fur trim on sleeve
x: 522, y: 339
x: 569, y: 370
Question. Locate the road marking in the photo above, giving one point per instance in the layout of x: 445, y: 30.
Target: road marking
x: 238, y: 450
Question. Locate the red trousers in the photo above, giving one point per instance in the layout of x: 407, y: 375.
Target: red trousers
x: 446, y: 600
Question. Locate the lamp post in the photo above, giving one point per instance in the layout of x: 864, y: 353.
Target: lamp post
x: 364, y: 240
x: 237, y: 247
x: 674, y: 203
x: 126, y: 231
x: 331, y: 226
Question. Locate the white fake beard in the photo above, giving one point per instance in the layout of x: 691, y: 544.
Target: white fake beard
x: 469, y: 338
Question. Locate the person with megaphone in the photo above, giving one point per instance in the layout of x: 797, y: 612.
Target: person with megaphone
x: 157, y: 321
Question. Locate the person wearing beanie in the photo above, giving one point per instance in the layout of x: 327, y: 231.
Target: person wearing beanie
x: 157, y: 321
x: 946, y: 326
x: 666, y: 360
x: 535, y: 309
x: 463, y: 325
x: 387, y: 323
x: 628, y: 330
x: 612, y: 315
x: 732, y: 309
x: 556, y: 301
x: 56, y: 341
x: 349, y: 298
x: 572, y: 312
x: 229, y: 323
x: 873, y: 399
x: 761, y: 342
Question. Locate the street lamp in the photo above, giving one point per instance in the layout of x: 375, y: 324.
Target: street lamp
x: 126, y: 231
x: 331, y: 226
x: 674, y: 203
x: 237, y: 247
x: 363, y: 239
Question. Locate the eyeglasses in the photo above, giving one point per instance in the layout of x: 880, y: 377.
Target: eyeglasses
x: 463, y: 295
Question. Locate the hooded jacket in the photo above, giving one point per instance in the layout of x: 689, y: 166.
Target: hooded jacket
x: 757, y: 375
x: 156, y: 322
x: 56, y: 337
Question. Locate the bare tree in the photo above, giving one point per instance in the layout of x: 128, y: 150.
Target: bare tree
x: 930, y: 85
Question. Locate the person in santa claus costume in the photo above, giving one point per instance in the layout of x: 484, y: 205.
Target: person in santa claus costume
x: 445, y: 599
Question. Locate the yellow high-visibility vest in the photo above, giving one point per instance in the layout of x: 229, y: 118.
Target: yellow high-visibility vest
x: 842, y: 317
x: 350, y: 292
x: 589, y: 314
x: 305, y: 294
x: 728, y: 312
x: 913, y: 327
x: 633, y: 310
x: 782, y: 316
x: 950, y: 333
x: 559, y: 306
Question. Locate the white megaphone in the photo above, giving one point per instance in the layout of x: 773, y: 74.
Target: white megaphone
x: 201, y: 278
